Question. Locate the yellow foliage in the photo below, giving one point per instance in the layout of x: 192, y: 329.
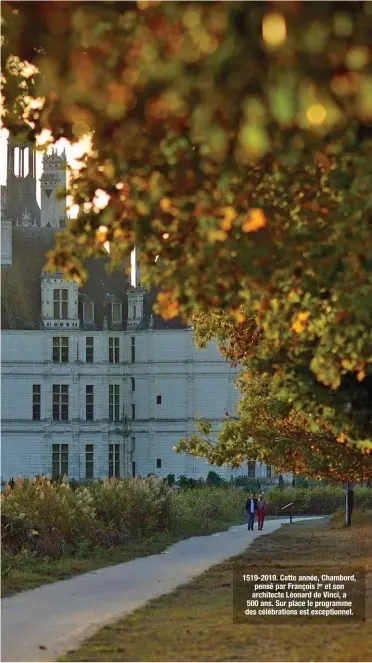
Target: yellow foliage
x: 216, y: 236
x: 298, y: 325
x: 274, y: 29
x: 303, y: 316
x: 228, y: 218
x: 255, y: 220
x: 166, y: 204
x: 316, y: 114
x: 142, y: 208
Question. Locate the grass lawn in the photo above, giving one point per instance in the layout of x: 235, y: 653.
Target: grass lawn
x: 194, y: 623
x: 25, y: 572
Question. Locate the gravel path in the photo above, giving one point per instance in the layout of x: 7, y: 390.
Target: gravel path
x: 41, y: 624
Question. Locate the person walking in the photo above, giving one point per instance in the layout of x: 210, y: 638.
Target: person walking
x: 261, y: 511
x: 251, y: 507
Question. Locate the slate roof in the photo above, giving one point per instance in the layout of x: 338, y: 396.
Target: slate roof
x: 21, y: 287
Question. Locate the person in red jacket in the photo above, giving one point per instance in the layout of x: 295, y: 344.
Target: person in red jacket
x: 261, y: 511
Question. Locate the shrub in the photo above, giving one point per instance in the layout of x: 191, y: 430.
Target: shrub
x: 52, y: 518
x: 56, y: 514
x: 322, y: 500
x: 202, y: 506
x: 249, y: 484
x: 214, y: 479
x: 360, y: 517
x: 130, y: 508
x: 170, y: 479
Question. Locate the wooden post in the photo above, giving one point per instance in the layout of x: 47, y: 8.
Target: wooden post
x: 347, y: 511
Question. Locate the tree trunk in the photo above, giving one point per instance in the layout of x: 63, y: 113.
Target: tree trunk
x: 349, y: 502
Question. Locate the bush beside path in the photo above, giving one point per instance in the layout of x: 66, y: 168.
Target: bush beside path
x: 53, y: 530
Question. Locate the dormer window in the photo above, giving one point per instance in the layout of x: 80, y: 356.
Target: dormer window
x: 60, y: 303
x: 116, y: 312
x: 135, y: 306
x: 88, y: 311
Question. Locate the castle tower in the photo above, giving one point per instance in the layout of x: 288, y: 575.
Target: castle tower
x: 53, y: 182
x: 21, y: 182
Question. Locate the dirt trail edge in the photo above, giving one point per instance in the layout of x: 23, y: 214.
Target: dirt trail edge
x: 41, y: 624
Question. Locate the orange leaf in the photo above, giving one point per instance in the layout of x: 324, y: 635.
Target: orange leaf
x: 239, y: 316
x: 170, y: 308
x: 298, y: 327
x: 255, y: 220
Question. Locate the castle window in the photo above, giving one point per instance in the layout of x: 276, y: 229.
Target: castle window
x: 36, y: 402
x: 158, y: 400
x: 251, y: 469
x: 133, y: 411
x: 89, y: 461
x: 89, y: 402
x: 114, y: 355
x: 116, y: 312
x: 60, y: 402
x: 134, y: 311
x: 60, y: 303
x: 114, y: 460
x: 133, y: 349
x: 88, y: 311
x: 89, y: 349
x: 60, y: 349
x: 59, y: 460
x: 114, y: 402
x: 158, y: 463
x: 133, y: 382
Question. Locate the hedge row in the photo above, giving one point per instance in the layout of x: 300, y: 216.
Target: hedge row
x: 316, y: 501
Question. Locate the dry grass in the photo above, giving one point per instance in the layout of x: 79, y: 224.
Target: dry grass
x: 194, y: 623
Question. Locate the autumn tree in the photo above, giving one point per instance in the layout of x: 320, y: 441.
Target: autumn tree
x: 266, y: 425
x: 232, y: 140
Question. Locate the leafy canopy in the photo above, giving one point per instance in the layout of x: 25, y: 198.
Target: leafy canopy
x: 233, y: 140
x: 270, y: 426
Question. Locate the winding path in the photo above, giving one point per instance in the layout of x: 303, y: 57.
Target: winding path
x: 59, y: 616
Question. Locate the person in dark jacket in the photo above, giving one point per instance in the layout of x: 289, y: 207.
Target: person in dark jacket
x: 251, y: 508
